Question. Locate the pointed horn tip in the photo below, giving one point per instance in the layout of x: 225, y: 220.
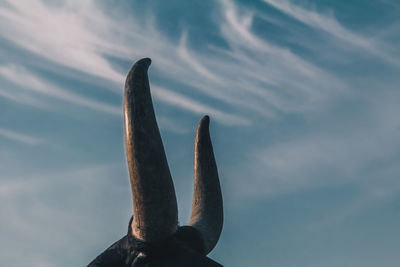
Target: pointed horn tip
x: 204, y: 122
x: 139, y: 69
x: 204, y: 126
x: 140, y: 65
x: 144, y: 61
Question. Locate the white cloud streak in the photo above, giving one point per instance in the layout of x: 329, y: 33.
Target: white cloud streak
x: 177, y: 100
x: 19, y: 137
x: 21, y: 98
x: 62, y: 34
x: 28, y: 81
x: 80, y: 35
x: 327, y: 23
x: 348, y: 151
x: 251, y: 77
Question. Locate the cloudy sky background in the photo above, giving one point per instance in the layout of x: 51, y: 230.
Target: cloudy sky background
x: 304, y: 104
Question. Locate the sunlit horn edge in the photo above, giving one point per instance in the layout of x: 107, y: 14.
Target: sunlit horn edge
x: 207, y: 206
x: 154, y: 202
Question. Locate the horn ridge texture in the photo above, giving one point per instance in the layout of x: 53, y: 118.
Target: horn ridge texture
x: 154, y: 201
x: 207, y: 206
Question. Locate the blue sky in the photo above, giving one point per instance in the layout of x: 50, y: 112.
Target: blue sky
x: 303, y: 98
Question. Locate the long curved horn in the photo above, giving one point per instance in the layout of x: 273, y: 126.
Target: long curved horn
x: 154, y: 202
x: 207, y: 209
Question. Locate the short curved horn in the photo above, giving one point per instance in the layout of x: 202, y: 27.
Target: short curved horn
x: 207, y: 208
x: 154, y: 202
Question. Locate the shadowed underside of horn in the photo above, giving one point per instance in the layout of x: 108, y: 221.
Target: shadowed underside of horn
x: 207, y: 208
x: 154, y: 202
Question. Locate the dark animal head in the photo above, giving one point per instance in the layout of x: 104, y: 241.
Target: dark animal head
x: 154, y: 237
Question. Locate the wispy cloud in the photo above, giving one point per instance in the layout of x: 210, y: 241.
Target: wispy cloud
x: 67, y: 35
x: 80, y: 36
x: 268, y: 67
x: 19, y: 137
x: 28, y: 81
x: 21, y: 98
x: 252, y: 78
x: 191, y: 105
x: 357, y: 148
x: 326, y: 22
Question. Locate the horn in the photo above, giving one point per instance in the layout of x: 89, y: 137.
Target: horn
x: 207, y: 209
x: 154, y: 202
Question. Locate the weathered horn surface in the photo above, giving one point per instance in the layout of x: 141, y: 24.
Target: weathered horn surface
x: 154, y: 202
x: 207, y: 208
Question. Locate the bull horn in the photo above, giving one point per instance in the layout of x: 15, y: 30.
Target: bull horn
x: 154, y: 202
x: 207, y: 210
